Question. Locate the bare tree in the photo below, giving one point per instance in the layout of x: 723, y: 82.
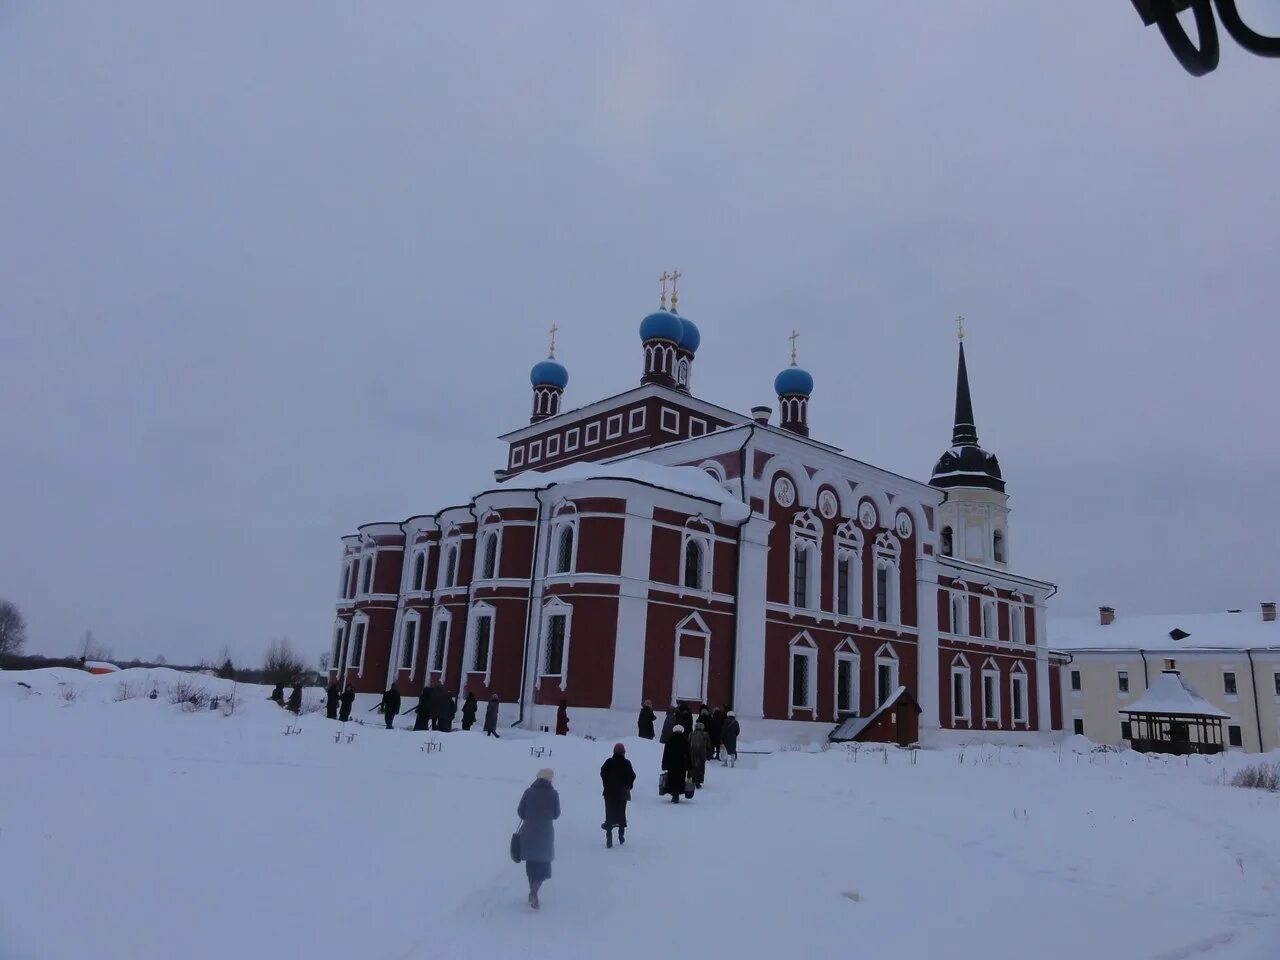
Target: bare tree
x: 281, y: 664
x: 226, y: 668
x: 91, y: 649
x: 13, y: 629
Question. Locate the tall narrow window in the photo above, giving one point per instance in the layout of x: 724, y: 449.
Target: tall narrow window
x: 843, y: 569
x: 484, y: 637
x: 451, y: 566
x: 419, y: 569
x: 958, y: 618
x: 409, y: 645
x: 886, y: 681
x: 1075, y: 680
x: 846, y: 684
x: 1018, y: 694
x: 442, y: 642
x: 357, y: 646
x: 1275, y: 680
x: 997, y: 546
x: 800, y: 576
x: 337, y: 647
x: 351, y: 583
x: 693, y: 565
x: 991, y: 695
x: 489, y: 558
x: 553, y: 664
x: 800, y: 680
x: 564, y: 549
x: 1229, y: 683
x: 989, y: 619
x: 959, y: 694
x: 948, y: 542
x: 1017, y: 623
x: 368, y: 575
x: 883, y: 587
x: 1122, y: 681
x: 346, y: 575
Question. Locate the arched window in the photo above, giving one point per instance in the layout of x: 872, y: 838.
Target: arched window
x: 847, y: 679
x: 805, y: 559
x: 804, y: 666
x: 800, y: 575
x: 489, y: 556
x: 990, y: 692
x: 959, y: 613
x: 886, y: 674
x: 419, y: 569
x: 367, y: 579
x: 409, y: 645
x: 564, y: 549
x: 948, y: 542
x: 997, y: 546
x: 1017, y: 623
x: 990, y: 627
x: 450, y: 566
x: 960, y: 689
x: 848, y: 569
x: 1018, y: 693
x: 693, y: 564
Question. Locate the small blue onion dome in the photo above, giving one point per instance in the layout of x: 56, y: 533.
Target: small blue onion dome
x: 793, y: 380
x: 690, y: 338
x: 549, y: 373
x: 662, y: 325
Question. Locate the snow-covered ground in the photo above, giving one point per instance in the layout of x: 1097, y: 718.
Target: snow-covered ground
x: 132, y: 829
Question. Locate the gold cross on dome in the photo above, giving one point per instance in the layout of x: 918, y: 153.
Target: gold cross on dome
x: 552, y: 354
x: 675, y: 279
x: 959, y: 328
x: 793, y: 338
x: 662, y: 301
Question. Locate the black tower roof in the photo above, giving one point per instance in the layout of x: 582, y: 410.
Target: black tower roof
x: 966, y: 464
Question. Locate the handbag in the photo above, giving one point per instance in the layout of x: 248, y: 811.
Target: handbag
x: 662, y: 784
x: 515, y: 844
x: 689, y: 787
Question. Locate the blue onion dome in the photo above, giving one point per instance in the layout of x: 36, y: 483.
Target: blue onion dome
x: 690, y: 338
x: 793, y: 380
x: 549, y: 373
x: 662, y: 325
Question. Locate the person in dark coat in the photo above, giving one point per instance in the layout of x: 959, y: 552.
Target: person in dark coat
x: 278, y: 694
x: 645, y: 723
x: 562, y: 719
x: 331, y: 702
x: 295, y: 699
x: 422, y: 712
x: 675, y: 762
x: 439, y: 706
x: 538, y: 809
x: 729, y: 738
x: 699, y: 749
x: 684, y: 717
x: 713, y: 732
x: 618, y: 777
x: 668, y: 722
x: 704, y: 718
x: 469, y: 712
x: 450, y: 710
x: 347, y: 699
x: 491, y: 717
x: 389, y: 705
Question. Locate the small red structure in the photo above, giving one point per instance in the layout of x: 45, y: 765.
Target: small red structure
x: 897, y: 720
x: 99, y: 667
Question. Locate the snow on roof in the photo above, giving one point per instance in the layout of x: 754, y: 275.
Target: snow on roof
x: 1170, y: 694
x: 852, y: 726
x: 1230, y: 631
x: 691, y: 481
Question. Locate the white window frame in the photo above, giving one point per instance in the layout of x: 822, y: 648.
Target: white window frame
x: 368, y: 573
x: 847, y: 652
x: 414, y: 618
x: 691, y: 626
x: 1123, y: 688
x: 960, y: 670
x: 479, y: 611
x: 1235, y: 679
x: 960, y: 613
x: 1019, y: 696
x: 339, y: 643
x: 886, y: 656
x: 613, y: 427
x: 344, y: 587
x: 697, y: 426
x: 806, y: 533
x: 535, y: 451
x: 672, y: 416
x: 517, y: 455
x: 635, y: 420
x: 990, y: 619
x: 360, y: 631
x: 567, y: 519
x: 591, y: 434
x: 893, y: 602
x: 553, y: 608
x: 942, y: 540
x: 992, y: 672
x: 412, y: 567
x: 802, y: 645
x: 699, y: 530
x: 854, y: 557
x: 553, y: 446
x: 1017, y: 623
x: 571, y: 437
x: 436, y: 652
x: 443, y: 580
x: 486, y: 531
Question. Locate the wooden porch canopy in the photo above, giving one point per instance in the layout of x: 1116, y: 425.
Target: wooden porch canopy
x: 1172, y: 718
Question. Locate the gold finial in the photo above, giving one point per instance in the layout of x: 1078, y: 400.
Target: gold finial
x: 675, y: 279
x: 662, y: 301
x: 793, y: 338
x: 552, y: 354
x: 960, y: 328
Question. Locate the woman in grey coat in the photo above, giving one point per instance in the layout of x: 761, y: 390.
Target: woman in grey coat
x: 539, y: 806
x: 491, y: 717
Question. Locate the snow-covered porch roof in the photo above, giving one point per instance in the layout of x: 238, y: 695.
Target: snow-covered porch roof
x: 1172, y: 696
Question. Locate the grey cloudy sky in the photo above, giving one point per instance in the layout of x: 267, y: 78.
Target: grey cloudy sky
x: 269, y: 271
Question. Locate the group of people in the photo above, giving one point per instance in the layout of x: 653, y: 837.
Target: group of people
x: 294, y: 703
x: 688, y: 743
x: 337, y: 704
x: 435, y: 710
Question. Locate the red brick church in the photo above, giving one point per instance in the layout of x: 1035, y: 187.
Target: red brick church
x: 654, y: 545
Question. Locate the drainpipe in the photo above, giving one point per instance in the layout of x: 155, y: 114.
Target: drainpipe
x: 1253, y: 682
x: 737, y: 570
x: 1146, y: 680
x: 471, y: 581
x: 528, y: 613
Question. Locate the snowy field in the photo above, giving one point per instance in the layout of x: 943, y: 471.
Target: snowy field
x: 135, y: 830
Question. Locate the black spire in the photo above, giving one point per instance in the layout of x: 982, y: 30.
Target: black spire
x: 964, y: 433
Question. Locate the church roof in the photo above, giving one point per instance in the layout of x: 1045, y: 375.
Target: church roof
x: 966, y: 464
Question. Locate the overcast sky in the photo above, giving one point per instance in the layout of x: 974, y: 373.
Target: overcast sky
x: 270, y: 271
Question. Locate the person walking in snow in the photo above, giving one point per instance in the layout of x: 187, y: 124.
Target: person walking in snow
x: 439, y: 706
x: 675, y: 762
x: 278, y: 694
x: 389, y: 705
x: 469, y: 711
x: 491, y: 717
x: 562, y: 719
x: 704, y: 718
x: 684, y: 717
x: 668, y: 722
x: 539, y: 808
x: 713, y: 732
x: 347, y: 699
x: 645, y: 723
x: 422, y: 712
x: 295, y: 699
x: 618, y: 777
x: 331, y: 702
x: 729, y: 738
x: 450, y: 710
x: 699, y: 748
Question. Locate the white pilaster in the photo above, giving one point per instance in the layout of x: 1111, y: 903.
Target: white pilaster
x: 926, y: 693
x: 633, y: 607
x: 748, y: 694
x: 1042, y: 670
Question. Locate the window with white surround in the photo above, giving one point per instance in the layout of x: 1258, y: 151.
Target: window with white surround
x: 480, y: 643
x: 804, y: 663
x: 571, y: 437
x: 997, y: 546
x: 1018, y: 694
x: 1229, y: 683
x: 360, y: 627
x: 948, y: 542
x: 697, y: 426
x: 1017, y: 623
x: 419, y: 578
x: 960, y: 689
x: 556, y: 620
x: 635, y: 420
x: 352, y: 568
x: 696, y: 552
x: 1075, y: 681
x: 848, y: 593
x: 990, y: 692
x: 563, y: 543
x: 886, y: 673
x: 535, y: 451
x: 1235, y: 737
x: 692, y: 653
x: 517, y: 456
x: 1122, y: 681
x: 886, y: 582
x: 693, y: 564
x: 553, y: 446
x: 449, y: 568
x: 669, y: 420
x: 847, y: 676
x: 1077, y: 726
x: 438, y: 655
x: 409, y: 644
x: 960, y: 613
x: 346, y: 578
x: 613, y: 427
x: 339, y: 631
x: 990, y: 626
x: 806, y: 560
x: 366, y: 578
x: 591, y: 434
x: 488, y: 555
